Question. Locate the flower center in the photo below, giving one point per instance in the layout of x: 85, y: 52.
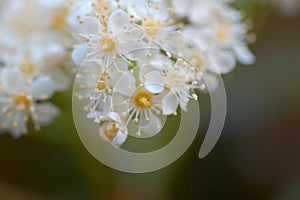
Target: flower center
x: 27, y: 68
x: 222, y: 32
x: 110, y: 129
x: 142, y: 99
x: 151, y: 27
x: 22, y: 102
x: 107, y: 45
x: 59, y: 19
x: 197, y: 61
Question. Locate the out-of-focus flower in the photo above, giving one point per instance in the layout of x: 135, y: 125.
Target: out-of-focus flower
x: 22, y: 100
x: 35, y: 62
x: 219, y: 28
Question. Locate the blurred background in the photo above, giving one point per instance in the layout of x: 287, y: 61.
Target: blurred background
x: 257, y: 156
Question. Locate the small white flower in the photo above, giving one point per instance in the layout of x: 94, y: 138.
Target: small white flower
x: 138, y: 105
x: 28, y: 17
x: 105, y: 40
x: 199, y: 12
x: 48, y: 57
x: 219, y: 28
x: 80, y: 9
x: 112, y: 130
x: 154, y: 18
x: 232, y: 36
x: 96, y: 83
x: 207, y: 57
x: 21, y: 101
x: 177, y: 79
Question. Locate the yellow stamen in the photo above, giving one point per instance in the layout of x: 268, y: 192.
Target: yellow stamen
x: 222, y: 32
x: 107, y: 45
x: 59, y: 19
x: 22, y: 102
x: 151, y: 27
x: 110, y: 129
x: 197, y: 61
x: 27, y: 68
x: 142, y: 99
x: 101, y: 85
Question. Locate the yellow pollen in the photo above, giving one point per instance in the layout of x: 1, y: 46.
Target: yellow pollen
x: 107, y: 45
x: 110, y: 129
x: 142, y: 99
x: 151, y: 26
x: 101, y: 85
x: 197, y: 61
x: 15, y: 124
x: 222, y: 32
x: 27, y: 68
x: 177, y: 79
x: 22, y: 102
x: 59, y: 19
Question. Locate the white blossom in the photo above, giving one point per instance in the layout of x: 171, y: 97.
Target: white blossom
x: 105, y: 40
x: 21, y: 101
x: 35, y: 63
x: 112, y: 130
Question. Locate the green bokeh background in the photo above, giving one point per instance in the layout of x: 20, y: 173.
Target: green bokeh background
x: 257, y: 157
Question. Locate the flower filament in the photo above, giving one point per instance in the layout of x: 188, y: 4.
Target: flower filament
x: 27, y: 68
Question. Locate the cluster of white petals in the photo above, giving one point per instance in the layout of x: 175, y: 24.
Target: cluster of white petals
x: 141, y: 60
x: 34, y: 62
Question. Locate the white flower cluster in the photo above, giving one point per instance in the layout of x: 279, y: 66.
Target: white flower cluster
x: 33, y: 53
x: 137, y: 68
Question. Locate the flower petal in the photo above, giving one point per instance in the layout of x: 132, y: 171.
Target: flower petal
x: 117, y: 20
x: 120, y: 138
x: 244, y: 55
x: 134, y: 50
x: 154, y: 82
x: 60, y: 79
x: 181, y: 7
x: 125, y: 85
x: 12, y: 80
x: 140, y: 7
x: 43, y: 88
x: 46, y: 113
x: 94, y: 115
x: 211, y: 82
x: 79, y: 53
x: 170, y: 104
x: 114, y: 116
x: 154, y: 127
x: 225, y: 62
x: 91, y: 25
